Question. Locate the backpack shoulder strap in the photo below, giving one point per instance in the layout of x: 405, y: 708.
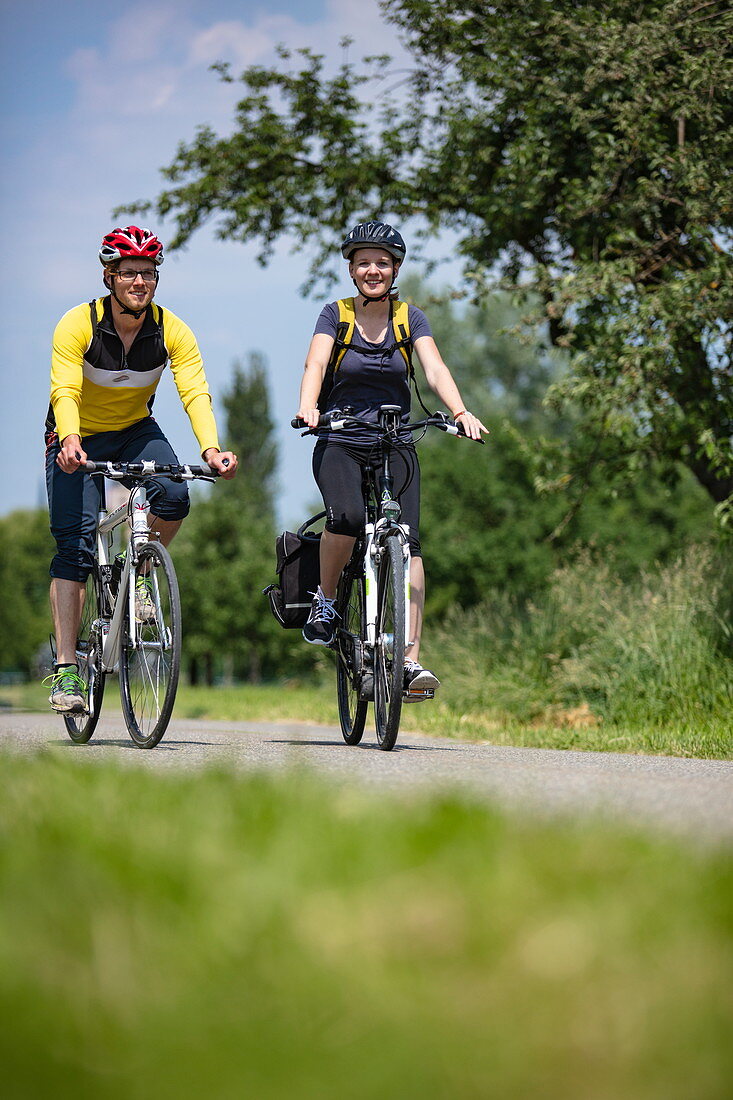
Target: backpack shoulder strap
x: 401, y: 327
x: 96, y: 309
x: 158, y: 318
x: 344, y: 331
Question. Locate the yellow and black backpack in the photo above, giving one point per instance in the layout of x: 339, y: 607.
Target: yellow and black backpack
x: 345, y: 331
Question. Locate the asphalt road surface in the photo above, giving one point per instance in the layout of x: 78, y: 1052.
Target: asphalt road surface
x: 688, y: 798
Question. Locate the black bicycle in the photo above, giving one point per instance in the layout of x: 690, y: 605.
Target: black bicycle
x: 373, y: 595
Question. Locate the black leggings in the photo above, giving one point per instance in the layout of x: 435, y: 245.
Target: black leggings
x: 337, y: 468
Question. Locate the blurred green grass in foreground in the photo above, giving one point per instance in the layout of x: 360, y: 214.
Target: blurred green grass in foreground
x: 271, y: 936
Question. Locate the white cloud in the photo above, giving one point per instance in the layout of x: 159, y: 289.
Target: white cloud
x: 241, y: 44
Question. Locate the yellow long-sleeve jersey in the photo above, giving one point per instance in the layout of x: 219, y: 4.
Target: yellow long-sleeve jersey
x: 98, y: 387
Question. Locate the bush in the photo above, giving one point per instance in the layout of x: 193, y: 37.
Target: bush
x: 656, y: 650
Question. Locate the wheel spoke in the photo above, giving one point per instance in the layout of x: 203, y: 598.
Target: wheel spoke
x: 351, y: 654
x: 149, y: 667
x: 390, y: 644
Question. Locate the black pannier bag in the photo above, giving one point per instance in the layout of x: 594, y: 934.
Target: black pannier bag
x: 298, y: 572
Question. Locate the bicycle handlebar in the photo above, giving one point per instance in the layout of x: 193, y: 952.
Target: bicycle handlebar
x: 337, y: 420
x: 118, y: 470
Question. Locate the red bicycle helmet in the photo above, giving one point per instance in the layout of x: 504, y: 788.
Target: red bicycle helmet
x: 130, y: 241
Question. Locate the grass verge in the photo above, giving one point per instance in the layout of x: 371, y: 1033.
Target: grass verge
x: 558, y: 727
x: 269, y: 936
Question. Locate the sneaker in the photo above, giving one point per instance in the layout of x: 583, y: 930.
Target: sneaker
x: 321, y: 626
x: 68, y: 691
x: 420, y: 683
x: 144, y: 601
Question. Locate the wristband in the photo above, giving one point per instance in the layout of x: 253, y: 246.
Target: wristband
x: 461, y: 412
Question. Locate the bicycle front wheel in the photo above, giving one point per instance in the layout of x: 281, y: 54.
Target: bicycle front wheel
x: 389, y: 649
x: 150, y: 655
x: 351, y: 672
x: 80, y: 727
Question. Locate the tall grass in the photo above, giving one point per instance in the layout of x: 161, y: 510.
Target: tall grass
x: 655, y: 653
x: 271, y: 936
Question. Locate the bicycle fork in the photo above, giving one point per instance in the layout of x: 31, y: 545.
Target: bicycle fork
x: 371, y: 570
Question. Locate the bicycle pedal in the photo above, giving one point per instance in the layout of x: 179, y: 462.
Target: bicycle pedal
x: 418, y: 696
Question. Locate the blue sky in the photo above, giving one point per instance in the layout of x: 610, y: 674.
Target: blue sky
x: 95, y: 100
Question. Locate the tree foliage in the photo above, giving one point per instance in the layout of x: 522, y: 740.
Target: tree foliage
x: 582, y: 152
x: 483, y: 525
x: 26, y: 549
x: 225, y: 552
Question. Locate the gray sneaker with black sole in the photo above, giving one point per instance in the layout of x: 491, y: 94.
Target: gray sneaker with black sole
x: 68, y: 691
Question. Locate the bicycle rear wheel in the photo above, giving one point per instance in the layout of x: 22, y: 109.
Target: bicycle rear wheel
x: 80, y: 727
x: 150, y: 654
x: 389, y: 649
x: 350, y: 654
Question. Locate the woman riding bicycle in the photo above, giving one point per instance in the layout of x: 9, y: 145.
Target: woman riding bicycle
x: 371, y: 372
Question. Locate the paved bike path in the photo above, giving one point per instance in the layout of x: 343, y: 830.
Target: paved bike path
x: 691, y: 798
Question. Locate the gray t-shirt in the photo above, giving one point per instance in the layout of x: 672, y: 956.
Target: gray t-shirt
x: 370, y: 375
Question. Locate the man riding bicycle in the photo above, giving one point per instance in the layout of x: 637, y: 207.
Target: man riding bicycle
x: 370, y: 367
x: 107, y: 359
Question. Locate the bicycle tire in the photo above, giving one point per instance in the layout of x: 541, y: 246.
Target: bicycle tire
x: 150, y: 666
x: 389, y: 648
x: 80, y: 727
x: 351, y: 606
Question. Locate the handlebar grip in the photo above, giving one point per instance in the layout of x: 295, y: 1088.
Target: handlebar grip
x: 323, y: 421
x: 461, y: 431
x: 205, y: 471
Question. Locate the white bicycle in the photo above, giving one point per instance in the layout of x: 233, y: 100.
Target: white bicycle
x: 115, y: 635
x: 373, y: 595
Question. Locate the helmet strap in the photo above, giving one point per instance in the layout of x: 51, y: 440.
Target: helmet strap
x: 382, y: 297
x: 136, y: 313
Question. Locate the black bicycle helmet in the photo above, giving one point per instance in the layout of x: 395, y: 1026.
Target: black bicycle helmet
x: 374, y: 235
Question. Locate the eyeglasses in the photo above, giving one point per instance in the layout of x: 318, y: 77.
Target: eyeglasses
x: 130, y: 276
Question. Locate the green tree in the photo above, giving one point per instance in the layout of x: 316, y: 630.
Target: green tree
x: 502, y: 364
x: 484, y: 527
x: 26, y: 549
x: 582, y: 151
x: 225, y: 552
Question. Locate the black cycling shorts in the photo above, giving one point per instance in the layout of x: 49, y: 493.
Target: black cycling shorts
x: 337, y: 468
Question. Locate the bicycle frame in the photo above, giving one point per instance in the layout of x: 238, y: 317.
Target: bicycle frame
x: 137, y: 507
x: 135, y: 512
x: 382, y: 520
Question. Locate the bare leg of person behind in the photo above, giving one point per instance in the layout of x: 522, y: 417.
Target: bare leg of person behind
x: 166, y: 529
